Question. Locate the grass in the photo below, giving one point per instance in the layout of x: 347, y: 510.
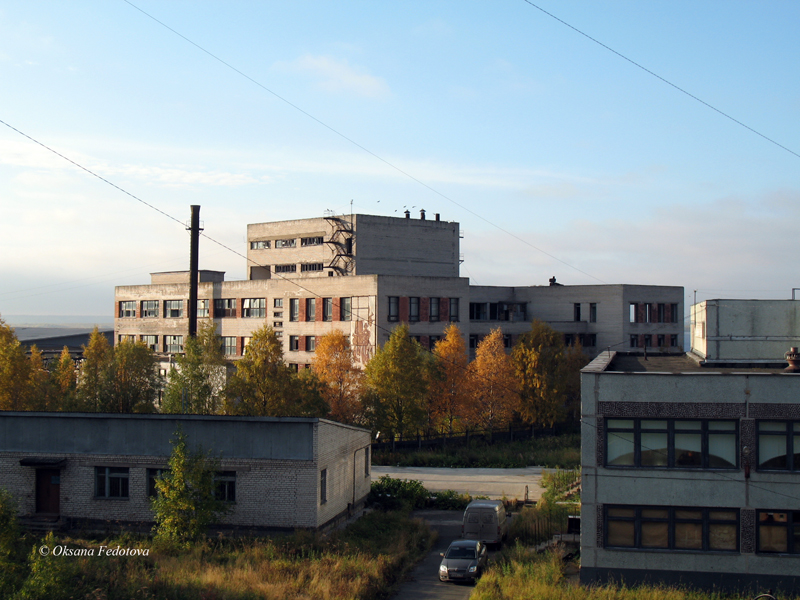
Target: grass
x: 562, y: 451
x: 364, y: 561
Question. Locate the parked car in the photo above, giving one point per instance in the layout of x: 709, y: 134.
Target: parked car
x: 486, y: 521
x: 464, y: 560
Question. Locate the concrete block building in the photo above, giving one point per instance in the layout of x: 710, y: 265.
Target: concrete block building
x: 85, y: 470
x: 691, y: 469
x: 364, y: 274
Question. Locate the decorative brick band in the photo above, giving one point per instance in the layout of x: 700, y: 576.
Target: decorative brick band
x: 747, y: 524
x: 599, y: 522
x: 774, y: 411
x: 747, y: 439
x: 600, y: 442
x: 673, y: 410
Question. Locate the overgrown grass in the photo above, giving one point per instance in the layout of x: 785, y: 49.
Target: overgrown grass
x: 363, y: 561
x: 562, y: 451
x: 521, y: 575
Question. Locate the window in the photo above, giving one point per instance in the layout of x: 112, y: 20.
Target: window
x: 225, y: 486
x: 477, y: 311
x: 306, y: 267
x: 454, y: 309
x: 671, y: 443
x: 127, y: 309
x: 277, y: 303
x: 648, y: 317
x: 413, y: 309
x: 593, y: 312
x: 245, y: 344
x: 311, y: 309
x: 661, y: 340
x: 661, y: 313
x: 779, y: 531
x: 507, y: 340
x: 634, y: 341
x: 569, y: 339
x: 229, y: 346
x: 277, y: 324
x: 672, y: 528
x: 311, y: 241
x: 311, y: 343
x: 327, y: 309
x: 589, y: 340
x: 259, y: 245
x: 202, y: 308
x: 294, y: 309
x: 277, y: 314
x: 278, y: 334
x: 434, y: 310
x: 149, y: 309
x: 254, y: 308
x: 294, y: 343
x: 111, y: 482
x: 346, y: 308
x: 576, y: 311
x: 673, y: 313
x: 366, y: 461
x: 224, y: 307
x: 648, y: 340
x: 779, y: 445
x: 433, y: 340
x: 473, y: 341
x: 173, y: 343
x: 673, y: 340
x: 285, y: 268
x: 323, y: 486
x: 286, y: 243
x: 152, y: 475
x: 151, y: 341
x: 394, y: 308
x: 634, y: 312
x: 173, y: 309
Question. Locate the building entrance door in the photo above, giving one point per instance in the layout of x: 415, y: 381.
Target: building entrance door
x: 48, y: 491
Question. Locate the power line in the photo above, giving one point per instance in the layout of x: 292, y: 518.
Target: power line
x: 657, y: 76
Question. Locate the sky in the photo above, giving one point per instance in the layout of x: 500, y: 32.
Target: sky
x: 557, y: 156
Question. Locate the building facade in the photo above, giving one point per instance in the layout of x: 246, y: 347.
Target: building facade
x: 364, y: 274
x: 87, y: 470
x: 691, y: 472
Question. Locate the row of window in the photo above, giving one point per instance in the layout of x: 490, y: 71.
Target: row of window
x: 697, y: 529
x: 498, y: 311
x: 227, y: 307
x: 646, y: 340
x: 114, y: 482
x: 699, y: 444
x: 173, y: 344
x: 653, y: 313
x: 436, y: 307
x: 576, y: 312
x: 286, y: 243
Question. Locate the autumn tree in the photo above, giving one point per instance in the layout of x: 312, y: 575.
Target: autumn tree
x: 133, y: 380
x: 196, y: 383
x: 94, y: 379
x: 42, y: 392
x: 339, y: 377
x: 395, y: 378
x: 65, y: 380
x: 494, y: 387
x: 449, y: 391
x: 14, y: 371
x: 540, y: 366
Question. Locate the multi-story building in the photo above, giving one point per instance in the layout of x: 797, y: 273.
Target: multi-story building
x: 364, y: 274
x: 691, y: 468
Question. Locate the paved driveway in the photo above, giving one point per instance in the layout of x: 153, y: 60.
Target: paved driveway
x: 493, y: 483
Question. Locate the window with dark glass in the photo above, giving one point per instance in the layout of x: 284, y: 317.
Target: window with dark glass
x: 672, y: 528
x: 648, y: 340
x: 127, y: 309
x: 311, y: 309
x: 323, y: 486
x: 111, y: 482
x: 394, y: 308
x: 576, y: 311
x: 673, y: 340
x: 173, y: 309
x: 311, y: 241
x: 660, y: 340
x: 327, y: 309
x: 454, y: 309
x: 292, y: 268
x: 149, y: 309
x: 477, y: 311
x: 473, y: 341
x: 671, y: 443
x: 306, y: 267
x: 779, y: 445
x: 294, y: 309
x: 593, y: 312
x: 675, y: 318
x: 434, y: 310
x: 224, y: 307
x: 634, y: 341
x: 413, y: 309
x: 662, y: 312
x: 346, y: 308
x: 294, y: 343
x: 779, y: 531
x: 311, y: 343
x: 254, y: 308
x: 225, y: 486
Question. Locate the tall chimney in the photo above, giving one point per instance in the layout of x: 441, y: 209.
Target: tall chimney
x: 407, y: 214
x: 193, y: 271
x: 422, y: 214
x: 437, y: 217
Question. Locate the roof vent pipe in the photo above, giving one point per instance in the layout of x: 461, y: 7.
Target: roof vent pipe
x: 408, y: 214
x: 422, y: 214
x: 437, y: 217
x: 793, y: 358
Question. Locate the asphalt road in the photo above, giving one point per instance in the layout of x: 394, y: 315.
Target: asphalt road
x: 494, y: 483
x: 423, y: 583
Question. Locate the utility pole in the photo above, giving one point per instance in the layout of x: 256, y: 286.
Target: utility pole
x: 194, y: 243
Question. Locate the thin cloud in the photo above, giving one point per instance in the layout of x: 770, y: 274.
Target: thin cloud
x: 337, y: 76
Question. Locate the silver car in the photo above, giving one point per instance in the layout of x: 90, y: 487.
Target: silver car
x: 464, y: 560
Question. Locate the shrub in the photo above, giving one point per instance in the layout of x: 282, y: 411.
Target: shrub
x: 392, y: 494
x: 12, y: 554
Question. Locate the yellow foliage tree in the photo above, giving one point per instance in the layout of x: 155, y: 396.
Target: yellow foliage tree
x: 14, y: 371
x: 450, y: 386
x: 340, y: 378
x: 494, y: 388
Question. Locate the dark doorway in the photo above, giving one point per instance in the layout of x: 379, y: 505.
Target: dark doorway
x: 48, y: 491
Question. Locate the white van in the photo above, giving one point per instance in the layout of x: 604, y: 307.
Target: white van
x: 486, y: 521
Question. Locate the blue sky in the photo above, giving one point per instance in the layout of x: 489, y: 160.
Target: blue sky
x: 540, y: 142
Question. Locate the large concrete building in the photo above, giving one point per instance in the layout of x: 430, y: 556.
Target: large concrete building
x: 88, y: 470
x: 691, y: 468
x: 364, y: 274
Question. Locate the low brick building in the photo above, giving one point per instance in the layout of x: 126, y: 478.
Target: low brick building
x: 85, y: 470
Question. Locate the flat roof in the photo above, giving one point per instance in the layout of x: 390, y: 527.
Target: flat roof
x: 684, y: 363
